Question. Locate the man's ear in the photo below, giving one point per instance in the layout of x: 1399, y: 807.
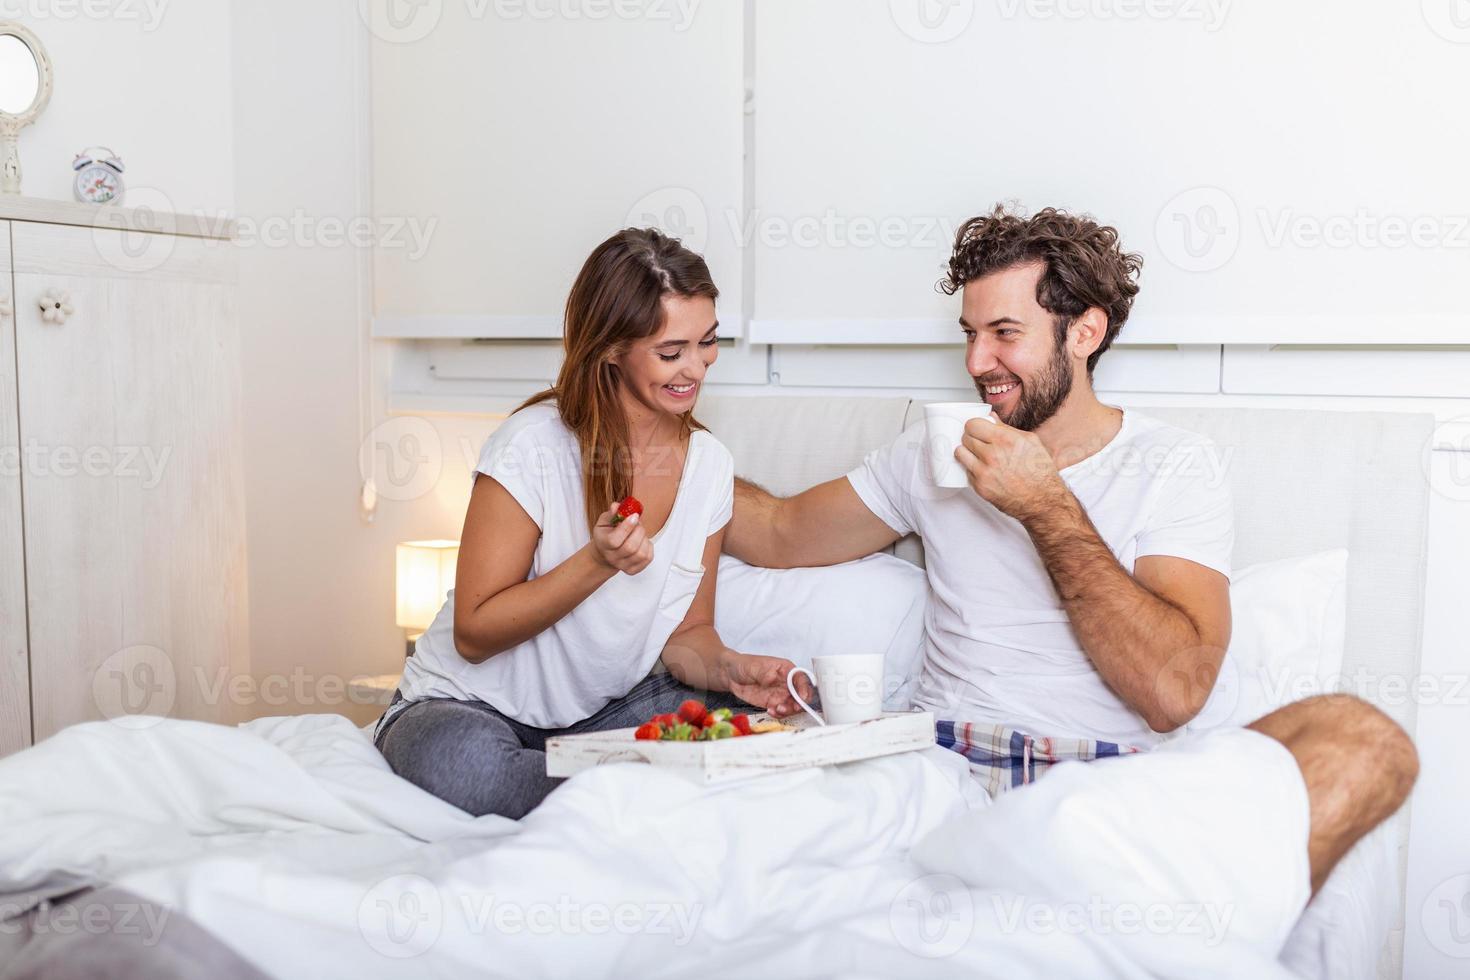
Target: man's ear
x: 1086, y: 334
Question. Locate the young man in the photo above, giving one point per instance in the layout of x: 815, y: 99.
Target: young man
x: 1079, y: 587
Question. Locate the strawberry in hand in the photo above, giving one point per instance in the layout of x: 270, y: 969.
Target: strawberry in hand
x: 626, y: 509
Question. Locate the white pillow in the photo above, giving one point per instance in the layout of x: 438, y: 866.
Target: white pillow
x: 873, y: 605
x: 1289, y: 625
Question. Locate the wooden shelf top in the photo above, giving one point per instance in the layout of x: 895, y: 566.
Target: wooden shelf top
x: 17, y: 208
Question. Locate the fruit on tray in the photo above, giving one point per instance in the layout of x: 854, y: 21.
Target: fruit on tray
x: 693, y: 722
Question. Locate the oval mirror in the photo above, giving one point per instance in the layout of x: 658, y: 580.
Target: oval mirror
x: 20, y: 76
x: 25, y: 88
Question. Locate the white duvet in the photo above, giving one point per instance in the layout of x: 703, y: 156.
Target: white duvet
x: 291, y: 841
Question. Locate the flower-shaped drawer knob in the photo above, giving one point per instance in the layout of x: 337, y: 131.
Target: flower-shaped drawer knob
x: 56, y: 306
x: 6, y: 308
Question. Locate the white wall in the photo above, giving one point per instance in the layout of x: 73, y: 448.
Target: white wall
x: 1202, y: 129
x: 544, y: 133
x: 321, y: 589
x: 149, y: 79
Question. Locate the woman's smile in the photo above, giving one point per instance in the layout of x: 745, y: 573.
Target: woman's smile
x: 683, y: 392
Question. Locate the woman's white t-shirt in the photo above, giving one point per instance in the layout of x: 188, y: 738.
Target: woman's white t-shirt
x: 599, y: 650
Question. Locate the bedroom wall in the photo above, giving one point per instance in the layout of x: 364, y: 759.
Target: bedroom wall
x: 100, y: 97
x: 321, y: 578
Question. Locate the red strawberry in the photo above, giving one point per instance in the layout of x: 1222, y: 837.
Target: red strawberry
x: 742, y: 724
x: 668, y: 720
x: 693, y: 712
x: 626, y: 509
x: 647, y: 732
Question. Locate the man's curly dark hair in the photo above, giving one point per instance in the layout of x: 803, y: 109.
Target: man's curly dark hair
x: 1085, y: 264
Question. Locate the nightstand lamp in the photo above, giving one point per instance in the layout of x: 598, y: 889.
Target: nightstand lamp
x: 425, y: 576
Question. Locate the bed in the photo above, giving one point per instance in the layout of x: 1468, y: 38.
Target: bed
x: 285, y: 847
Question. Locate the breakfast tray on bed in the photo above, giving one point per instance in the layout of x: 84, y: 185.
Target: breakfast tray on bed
x: 806, y: 746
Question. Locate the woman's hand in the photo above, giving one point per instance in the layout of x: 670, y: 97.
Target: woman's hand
x: 761, y: 681
x: 624, y: 547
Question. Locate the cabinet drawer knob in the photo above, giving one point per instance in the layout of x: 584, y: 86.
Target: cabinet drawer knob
x: 56, y: 306
x: 5, y: 306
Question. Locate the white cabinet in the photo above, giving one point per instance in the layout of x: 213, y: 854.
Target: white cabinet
x: 15, y: 676
x: 122, y: 524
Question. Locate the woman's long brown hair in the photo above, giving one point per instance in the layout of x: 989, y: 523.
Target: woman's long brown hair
x: 617, y: 299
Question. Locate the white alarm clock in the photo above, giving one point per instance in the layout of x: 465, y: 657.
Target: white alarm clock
x: 99, y: 176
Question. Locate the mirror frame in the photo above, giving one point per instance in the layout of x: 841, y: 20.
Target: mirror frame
x: 12, y: 123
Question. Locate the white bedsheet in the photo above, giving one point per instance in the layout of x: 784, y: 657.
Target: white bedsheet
x: 291, y: 841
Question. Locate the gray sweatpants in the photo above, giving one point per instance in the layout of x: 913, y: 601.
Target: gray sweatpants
x: 469, y: 754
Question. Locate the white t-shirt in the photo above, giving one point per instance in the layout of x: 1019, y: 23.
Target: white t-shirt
x: 999, y: 648
x: 599, y: 650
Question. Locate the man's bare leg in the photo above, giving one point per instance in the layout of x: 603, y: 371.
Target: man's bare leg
x: 1359, y: 766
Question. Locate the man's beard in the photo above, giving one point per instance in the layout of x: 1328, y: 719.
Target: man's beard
x: 1041, y: 396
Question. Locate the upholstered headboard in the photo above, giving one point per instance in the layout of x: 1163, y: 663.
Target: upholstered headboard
x: 1303, y: 481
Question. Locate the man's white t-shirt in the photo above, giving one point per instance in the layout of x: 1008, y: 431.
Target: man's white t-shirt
x: 599, y: 650
x: 999, y: 648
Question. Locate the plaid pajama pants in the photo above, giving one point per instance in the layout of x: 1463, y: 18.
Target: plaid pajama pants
x: 1003, y: 758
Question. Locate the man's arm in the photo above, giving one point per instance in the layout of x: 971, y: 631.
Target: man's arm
x: 825, y: 525
x: 1157, y: 636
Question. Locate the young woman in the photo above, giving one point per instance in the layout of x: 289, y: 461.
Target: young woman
x: 561, y: 613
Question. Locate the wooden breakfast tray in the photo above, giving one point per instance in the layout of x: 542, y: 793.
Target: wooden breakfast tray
x: 735, y: 758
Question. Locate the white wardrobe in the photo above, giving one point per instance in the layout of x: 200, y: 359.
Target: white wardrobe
x: 122, y: 515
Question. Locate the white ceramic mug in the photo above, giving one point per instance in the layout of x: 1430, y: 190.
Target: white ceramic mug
x: 851, y: 687
x: 944, y: 425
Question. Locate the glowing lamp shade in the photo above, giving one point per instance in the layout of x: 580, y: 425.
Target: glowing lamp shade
x: 425, y: 575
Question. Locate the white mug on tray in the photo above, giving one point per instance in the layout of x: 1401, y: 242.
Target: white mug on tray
x: 851, y: 687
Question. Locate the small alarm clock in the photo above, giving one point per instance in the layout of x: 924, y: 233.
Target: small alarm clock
x: 99, y: 176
